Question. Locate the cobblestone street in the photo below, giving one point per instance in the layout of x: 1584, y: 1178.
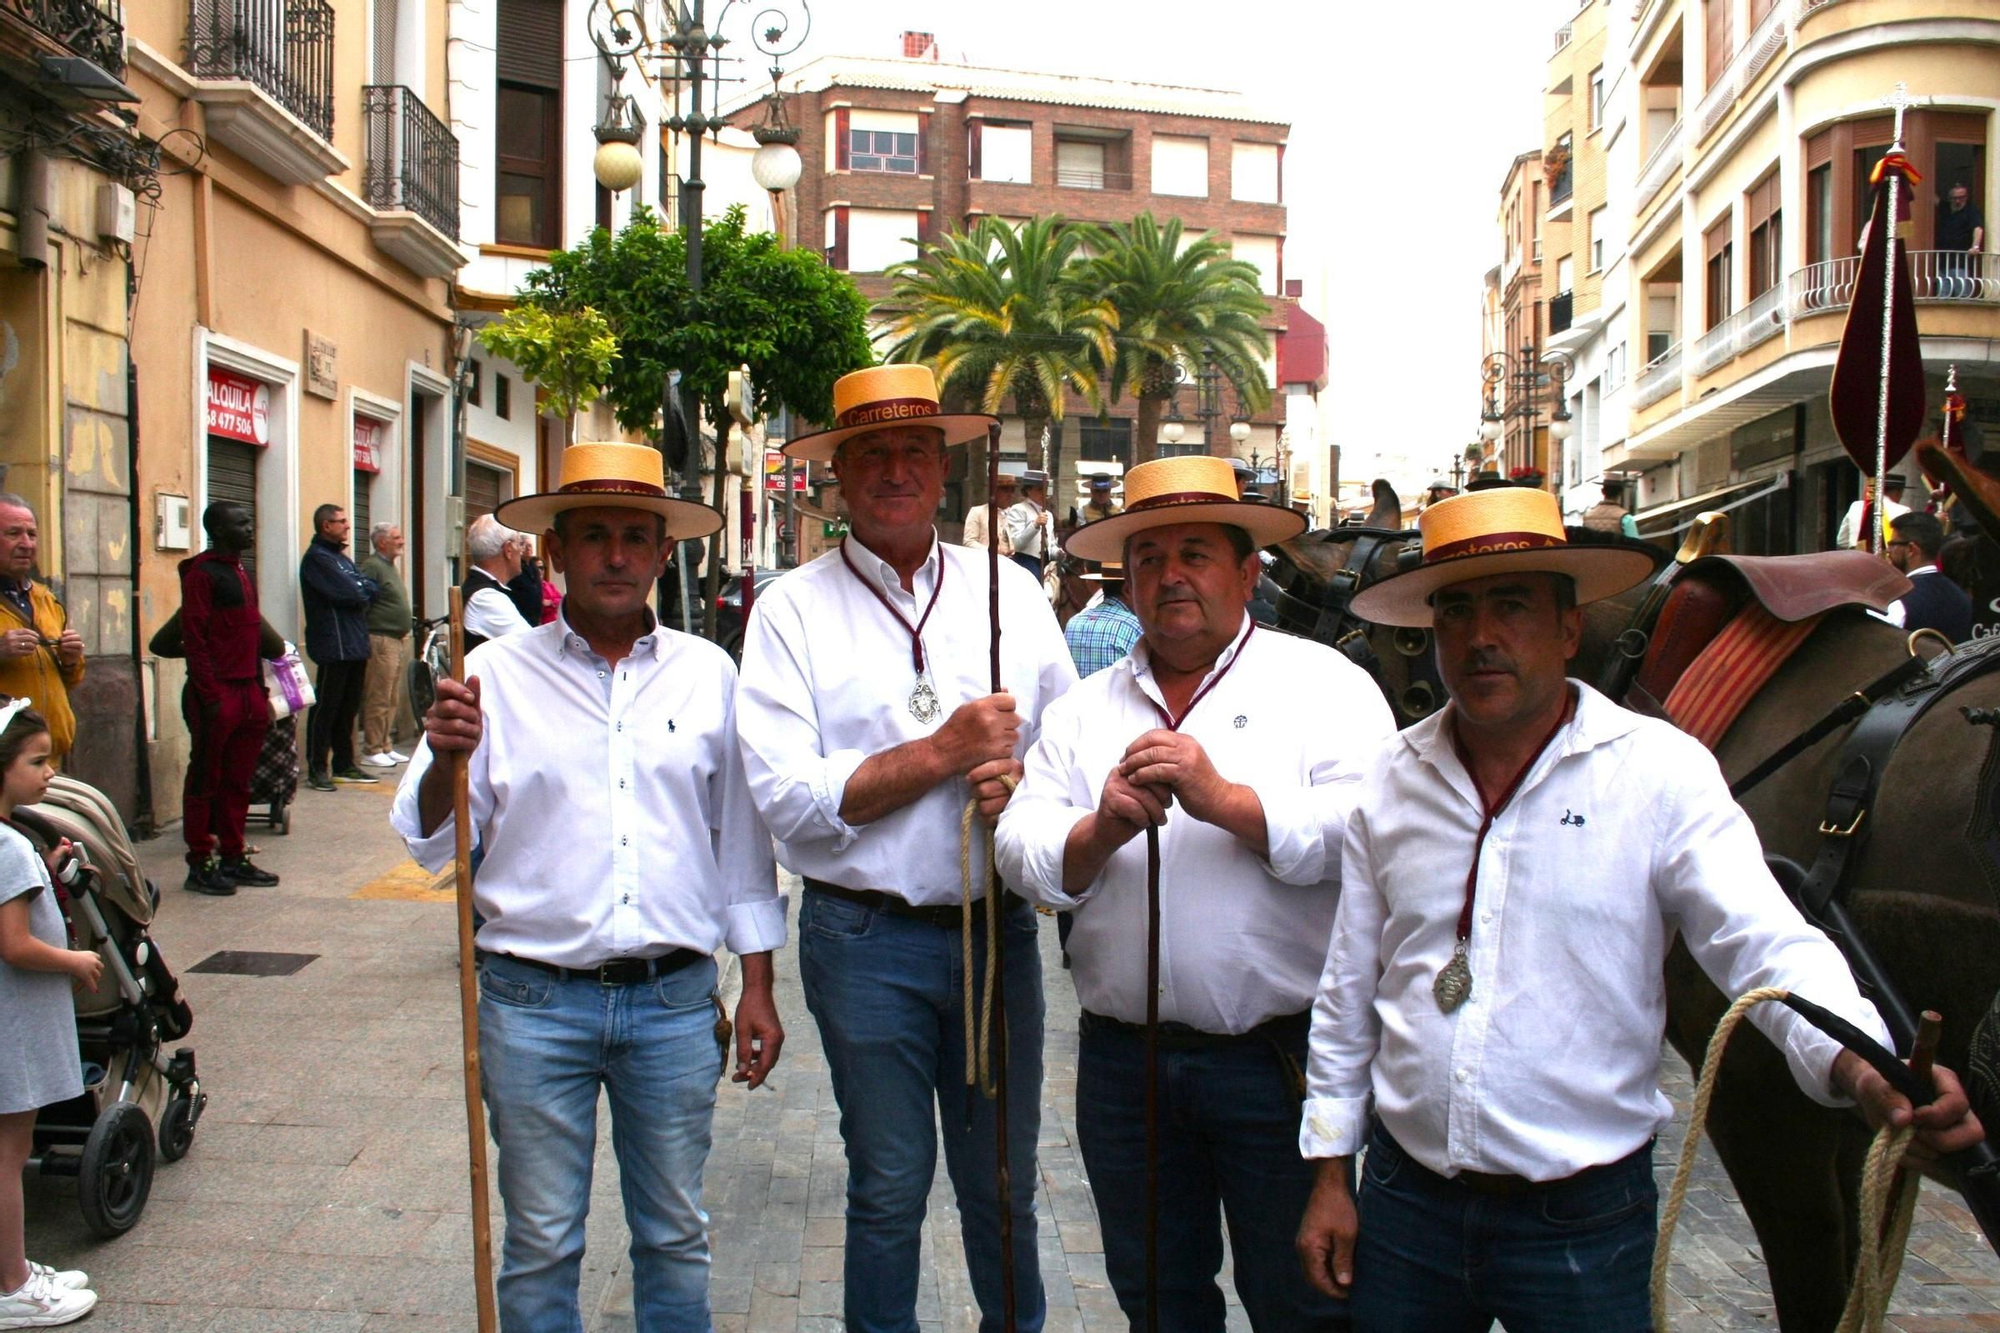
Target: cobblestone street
x: 325, y: 1190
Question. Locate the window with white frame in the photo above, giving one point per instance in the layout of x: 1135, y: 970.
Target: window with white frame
x: 883, y: 141
x: 1599, y: 249
x: 1253, y: 172
x: 1261, y: 251
x: 1597, y: 97
x: 878, y: 238
x: 1180, y: 166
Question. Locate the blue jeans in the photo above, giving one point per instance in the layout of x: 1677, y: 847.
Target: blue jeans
x: 1573, y: 1257
x: 886, y: 992
x: 546, y: 1045
x: 1229, y: 1150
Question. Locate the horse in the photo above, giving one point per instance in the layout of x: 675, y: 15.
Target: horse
x: 1923, y: 894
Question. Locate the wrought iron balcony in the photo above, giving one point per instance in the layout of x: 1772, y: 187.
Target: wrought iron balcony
x: 1561, y: 311
x: 1950, y: 276
x: 284, y: 47
x: 1564, y: 186
x: 412, y: 161
x: 93, y: 29
x: 1086, y: 178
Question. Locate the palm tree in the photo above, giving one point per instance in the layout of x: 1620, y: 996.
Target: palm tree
x: 1179, y: 303
x: 996, y: 313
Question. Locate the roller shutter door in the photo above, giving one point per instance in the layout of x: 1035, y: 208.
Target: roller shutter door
x: 357, y: 539
x: 232, y: 475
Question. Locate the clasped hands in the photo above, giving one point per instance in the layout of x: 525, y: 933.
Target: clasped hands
x: 1157, y: 769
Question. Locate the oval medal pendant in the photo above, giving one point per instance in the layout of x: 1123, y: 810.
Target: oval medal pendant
x: 924, y: 706
x: 1454, y: 980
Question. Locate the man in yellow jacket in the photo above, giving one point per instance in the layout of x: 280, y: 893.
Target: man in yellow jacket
x: 41, y: 657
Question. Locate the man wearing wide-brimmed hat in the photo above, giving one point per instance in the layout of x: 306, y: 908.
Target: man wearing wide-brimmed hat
x: 976, y: 519
x: 1107, y: 628
x: 1030, y: 526
x: 621, y: 850
x: 1242, y: 746
x: 1490, y: 1018
x: 868, y: 721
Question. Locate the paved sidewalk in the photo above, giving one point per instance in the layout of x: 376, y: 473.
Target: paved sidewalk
x: 326, y: 1187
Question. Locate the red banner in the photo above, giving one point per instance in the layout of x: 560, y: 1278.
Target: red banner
x: 368, y: 436
x: 238, y: 407
x: 774, y: 472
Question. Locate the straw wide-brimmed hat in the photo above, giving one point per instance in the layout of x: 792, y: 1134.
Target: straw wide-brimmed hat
x: 622, y: 476
x: 1510, y: 529
x: 1194, y: 489
x: 1109, y: 571
x: 884, y: 396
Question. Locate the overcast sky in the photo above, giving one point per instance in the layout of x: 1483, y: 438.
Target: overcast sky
x: 1404, y: 118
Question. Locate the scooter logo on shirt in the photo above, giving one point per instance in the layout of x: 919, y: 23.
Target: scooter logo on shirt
x: 1570, y: 820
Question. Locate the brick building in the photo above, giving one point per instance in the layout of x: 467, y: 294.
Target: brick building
x: 899, y: 150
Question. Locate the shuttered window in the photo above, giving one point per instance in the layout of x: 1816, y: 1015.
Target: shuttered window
x: 232, y: 475
x: 1766, y: 223
x: 485, y: 488
x: 1721, y: 254
x: 1721, y: 38
x: 527, y: 144
x: 360, y: 518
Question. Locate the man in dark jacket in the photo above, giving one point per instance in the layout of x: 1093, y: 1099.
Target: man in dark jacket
x: 223, y: 702
x: 1933, y: 601
x: 336, y: 604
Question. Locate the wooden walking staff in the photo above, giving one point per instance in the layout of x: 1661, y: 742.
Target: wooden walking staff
x: 468, y: 998
x: 1877, y: 394
x: 996, y: 975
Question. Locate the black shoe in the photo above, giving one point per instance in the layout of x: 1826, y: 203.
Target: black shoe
x: 239, y: 869
x: 318, y: 780
x: 354, y: 774
x: 208, y: 878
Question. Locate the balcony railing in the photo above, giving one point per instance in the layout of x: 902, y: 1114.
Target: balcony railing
x: 1563, y: 36
x: 1951, y: 276
x: 1742, y: 71
x: 93, y: 29
x: 1805, y: 7
x: 1561, y: 308
x: 1660, y: 164
x: 412, y: 157
x: 284, y: 47
x: 1564, y: 186
x: 1763, y: 318
x: 1661, y: 377
x: 1083, y: 178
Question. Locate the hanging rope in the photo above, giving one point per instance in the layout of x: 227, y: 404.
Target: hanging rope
x: 979, y: 1018
x: 1884, y: 1220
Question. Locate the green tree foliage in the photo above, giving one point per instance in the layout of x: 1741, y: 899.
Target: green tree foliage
x: 1178, y: 302
x: 997, y: 314
x: 569, y: 353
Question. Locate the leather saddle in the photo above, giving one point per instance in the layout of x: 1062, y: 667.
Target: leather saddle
x: 1709, y: 592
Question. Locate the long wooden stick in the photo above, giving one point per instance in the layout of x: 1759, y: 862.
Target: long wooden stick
x: 468, y: 999
x: 1003, y: 1171
x: 1152, y: 1078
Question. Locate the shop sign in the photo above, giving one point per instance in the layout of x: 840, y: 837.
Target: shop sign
x: 239, y: 408
x: 774, y: 472
x: 368, y: 436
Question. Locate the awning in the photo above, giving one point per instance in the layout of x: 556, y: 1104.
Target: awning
x: 1672, y: 517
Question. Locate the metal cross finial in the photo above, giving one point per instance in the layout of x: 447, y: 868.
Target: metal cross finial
x: 1899, y: 101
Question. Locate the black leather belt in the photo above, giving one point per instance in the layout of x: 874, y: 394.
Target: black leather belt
x: 617, y: 972
x: 1284, y: 1030
x: 1492, y: 1183
x: 945, y: 918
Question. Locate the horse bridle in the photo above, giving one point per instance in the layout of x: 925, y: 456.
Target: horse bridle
x: 1334, y: 622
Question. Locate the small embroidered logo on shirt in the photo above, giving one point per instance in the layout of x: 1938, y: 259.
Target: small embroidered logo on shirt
x: 1572, y: 820
x: 1241, y: 721
x: 670, y: 727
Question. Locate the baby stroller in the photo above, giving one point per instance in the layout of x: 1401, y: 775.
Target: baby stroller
x: 105, y: 1138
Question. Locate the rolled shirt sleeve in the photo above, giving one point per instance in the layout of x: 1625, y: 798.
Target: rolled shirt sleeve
x: 436, y: 850
x: 1346, y: 1029
x: 755, y: 920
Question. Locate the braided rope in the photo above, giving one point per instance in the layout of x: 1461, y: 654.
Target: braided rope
x: 1883, y: 1218
x: 978, y: 1018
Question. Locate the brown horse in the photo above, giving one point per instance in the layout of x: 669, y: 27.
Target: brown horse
x: 1921, y: 893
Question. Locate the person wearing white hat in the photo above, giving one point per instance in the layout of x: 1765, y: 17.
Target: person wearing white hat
x: 1030, y: 526
x: 1489, y: 1022
x: 621, y: 850
x: 1242, y: 747
x: 868, y: 721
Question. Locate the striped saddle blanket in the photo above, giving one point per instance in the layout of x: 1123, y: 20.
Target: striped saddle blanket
x: 1727, y: 674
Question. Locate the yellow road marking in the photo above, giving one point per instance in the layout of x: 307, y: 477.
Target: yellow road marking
x: 409, y: 883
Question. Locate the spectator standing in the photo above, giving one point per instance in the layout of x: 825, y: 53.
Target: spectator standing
x: 38, y: 1049
x: 388, y: 648
x: 224, y: 703
x: 1609, y: 514
x: 1933, y: 601
x: 1961, y: 234
x: 336, y: 596
x: 1854, y: 524
x: 1029, y: 524
x: 975, y: 534
x: 1107, y: 628
x: 496, y: 552
x: 41, y: 657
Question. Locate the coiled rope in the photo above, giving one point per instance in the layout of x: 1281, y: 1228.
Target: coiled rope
x: 1888, y: 1199
x: 979, y: 1018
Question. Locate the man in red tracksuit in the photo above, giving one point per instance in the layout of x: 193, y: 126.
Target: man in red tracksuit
x: 224, y: 703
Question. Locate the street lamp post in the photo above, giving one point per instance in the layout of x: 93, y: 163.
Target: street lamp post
x: 1523, y: 377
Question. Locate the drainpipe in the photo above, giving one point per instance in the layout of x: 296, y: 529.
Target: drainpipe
x: 32, y: 212
x: 142, y: 754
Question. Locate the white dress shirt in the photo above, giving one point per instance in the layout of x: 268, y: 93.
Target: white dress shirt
x: 1028, y: 528
x: 1242, y: 937
x: 826, y: 684
x: 610, y: 801
x: 1622, y: 832
x: 1850, y: 534
x: 491, y: 613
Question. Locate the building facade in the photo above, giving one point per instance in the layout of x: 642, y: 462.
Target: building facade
x: 1522, y: 322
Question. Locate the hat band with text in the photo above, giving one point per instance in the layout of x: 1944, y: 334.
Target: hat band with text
x: 1491, y: 543
x: 1179, y: 498
x: 886, y: 409
x: 613, y: 486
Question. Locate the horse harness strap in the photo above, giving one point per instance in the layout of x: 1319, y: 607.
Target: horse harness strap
x: 1628, y: 651
x: 1842, y: 713
x: 1864, y: 757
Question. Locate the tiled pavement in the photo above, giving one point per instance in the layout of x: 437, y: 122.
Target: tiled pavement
x: 326, y: 1187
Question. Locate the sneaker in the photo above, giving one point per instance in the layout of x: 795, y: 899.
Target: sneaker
x: 239, y: 869
x: 318, y: 780
x: 40, y: 1303
x: 352, y: 774
x: 378, y: 760
x: 69, y: 1279
x: 208, y: 878
x: 395, y: 758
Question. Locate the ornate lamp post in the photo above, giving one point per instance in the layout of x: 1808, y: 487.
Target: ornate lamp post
x: 1524, y: 375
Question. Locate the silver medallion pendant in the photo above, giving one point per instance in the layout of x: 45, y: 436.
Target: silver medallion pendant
x: 924, y: 705
x: 1454, y: 980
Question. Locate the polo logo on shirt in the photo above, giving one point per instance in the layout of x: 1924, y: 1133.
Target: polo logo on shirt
x: 1570, y: 820
x: 1241, y: 721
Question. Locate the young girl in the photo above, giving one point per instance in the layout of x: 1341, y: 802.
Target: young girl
x: 39, y: 1061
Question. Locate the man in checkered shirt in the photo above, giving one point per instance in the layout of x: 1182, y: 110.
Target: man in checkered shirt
x: 1105, y: 630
